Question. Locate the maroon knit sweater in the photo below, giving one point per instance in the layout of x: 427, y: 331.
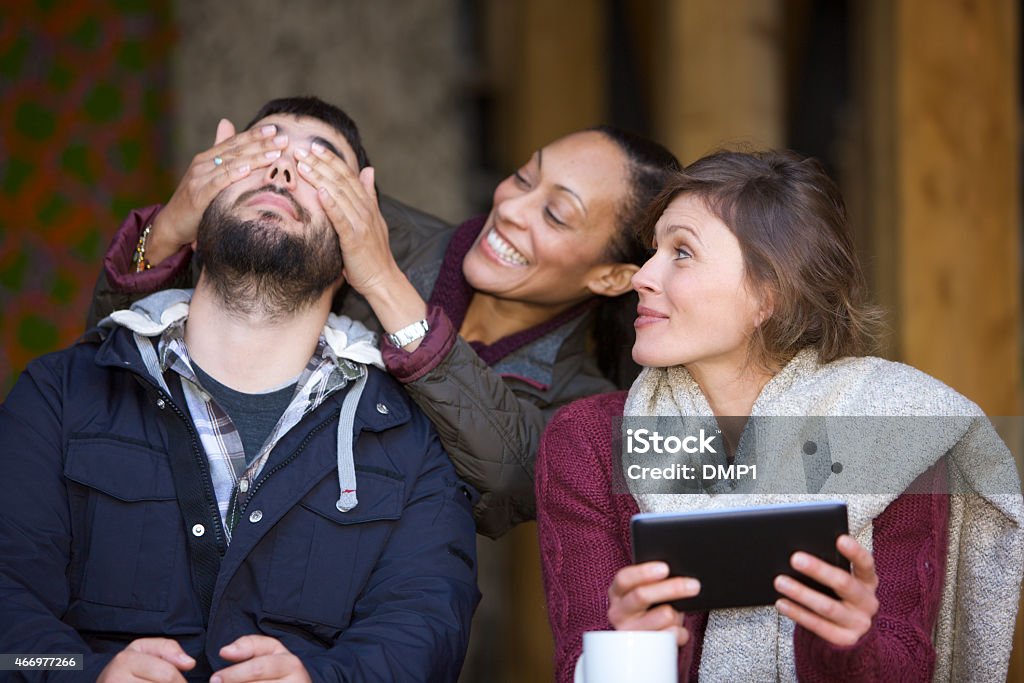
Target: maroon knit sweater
x: 585, y: 539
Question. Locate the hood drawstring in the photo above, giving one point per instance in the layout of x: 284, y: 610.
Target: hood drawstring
x: 346, y: 435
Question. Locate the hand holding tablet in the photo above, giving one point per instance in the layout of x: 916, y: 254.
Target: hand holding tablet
x: 796, y: 557
x: 842, y: 620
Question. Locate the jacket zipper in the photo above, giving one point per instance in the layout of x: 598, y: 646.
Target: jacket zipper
x: 276, y: 468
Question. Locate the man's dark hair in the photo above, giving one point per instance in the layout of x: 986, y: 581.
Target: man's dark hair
x: 315, y: 108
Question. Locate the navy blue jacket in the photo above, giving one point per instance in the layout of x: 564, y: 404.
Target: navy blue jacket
x: 94, y: 552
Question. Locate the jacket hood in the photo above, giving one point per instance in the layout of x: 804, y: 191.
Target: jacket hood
x: 149, y: 317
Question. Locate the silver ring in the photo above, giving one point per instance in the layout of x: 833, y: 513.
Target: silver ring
x: 217, y: 161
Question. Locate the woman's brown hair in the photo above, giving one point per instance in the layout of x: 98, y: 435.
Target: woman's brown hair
x: 790, y: 220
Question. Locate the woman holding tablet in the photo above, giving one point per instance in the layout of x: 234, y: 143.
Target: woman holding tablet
x: 753, y: 304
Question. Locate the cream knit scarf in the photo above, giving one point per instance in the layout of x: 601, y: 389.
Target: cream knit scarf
x: 985, y: 557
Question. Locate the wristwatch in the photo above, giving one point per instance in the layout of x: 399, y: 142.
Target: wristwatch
x: 408, y: 334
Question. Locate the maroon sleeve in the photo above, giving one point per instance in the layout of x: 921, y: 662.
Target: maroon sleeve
x: 909, y: 548
x: 408, y: 366
x: 118, y: 260
x: 582, y: 527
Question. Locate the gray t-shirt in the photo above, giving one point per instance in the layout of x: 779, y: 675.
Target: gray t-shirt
x: 254, y: 415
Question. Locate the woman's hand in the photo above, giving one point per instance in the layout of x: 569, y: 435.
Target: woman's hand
x: 841, y: 622
x: 350, y: 202
x: 177, y: 223
x: 637, y: 587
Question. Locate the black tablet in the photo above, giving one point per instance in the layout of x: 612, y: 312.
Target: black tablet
x: 737, y: 553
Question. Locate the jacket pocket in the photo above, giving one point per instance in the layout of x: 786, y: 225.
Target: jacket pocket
x: 128, y: 526
x: 322, y: 558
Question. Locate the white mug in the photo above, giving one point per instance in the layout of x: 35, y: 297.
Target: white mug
x: 626, y: 656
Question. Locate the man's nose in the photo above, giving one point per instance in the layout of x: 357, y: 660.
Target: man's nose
x: 282, y: 172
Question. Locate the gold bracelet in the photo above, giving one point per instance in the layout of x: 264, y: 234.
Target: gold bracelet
x: 139, y: 259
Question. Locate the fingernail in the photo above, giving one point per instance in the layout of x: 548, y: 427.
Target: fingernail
x: 268, y: 130
x: 304, y: 167
x: 323, y: 191
x: 781, y: 606
x: 184, y: 658
x: 800, y: 561
x: 244, y: 168
x: 318, y: 148
x: 281, y: 140
x: 692, y: 585
x: 272, y: 154
x: 659, y: 570
x: 301, y: 153
x: 783, y: 582
x: 216, y: 679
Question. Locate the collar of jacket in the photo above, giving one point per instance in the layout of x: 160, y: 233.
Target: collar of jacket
x: 383, y: 405
x: 154, y: 314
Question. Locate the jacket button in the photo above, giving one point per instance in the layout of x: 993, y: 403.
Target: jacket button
x: 255, y: 516
x: 382, y: 409
x: 198, y: 530
x: 160, y: 403
x: 837, y: 467
x: 810, y: 448
x: 243, y: 485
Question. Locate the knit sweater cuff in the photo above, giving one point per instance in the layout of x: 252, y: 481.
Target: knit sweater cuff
x: 819, y: 660
x: 694, y: 623
x: 408, y: 366
x: 118, y: 260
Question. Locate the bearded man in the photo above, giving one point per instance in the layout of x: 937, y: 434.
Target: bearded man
x: 223, y: 483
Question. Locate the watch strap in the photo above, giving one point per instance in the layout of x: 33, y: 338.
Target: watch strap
x: 408, y: 334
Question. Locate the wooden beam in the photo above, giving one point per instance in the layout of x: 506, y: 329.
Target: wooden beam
x: 548, y: 62
x: 959, y: 211
x: 721, y: 75
x: 939, y: 105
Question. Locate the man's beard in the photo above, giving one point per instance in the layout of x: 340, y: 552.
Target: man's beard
x: 257, y: 268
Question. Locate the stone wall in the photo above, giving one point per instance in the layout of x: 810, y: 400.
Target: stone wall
x: 393, y: 65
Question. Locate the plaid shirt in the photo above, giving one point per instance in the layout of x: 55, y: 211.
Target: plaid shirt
x: 232, y: 479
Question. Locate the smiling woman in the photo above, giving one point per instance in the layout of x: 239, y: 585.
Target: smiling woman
x: 491, y: 325
x: 545, y: 244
